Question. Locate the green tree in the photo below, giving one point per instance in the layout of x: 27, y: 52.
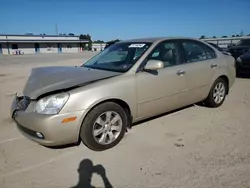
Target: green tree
x: 88, y: 38
x: 98, y: 41
x: 83, y: 37
x: 90, y: 42
x: 202, y: 37
x: 214, y: 37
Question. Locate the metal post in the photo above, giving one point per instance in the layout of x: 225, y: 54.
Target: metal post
x: 8, y: 47
x: 56, y: 30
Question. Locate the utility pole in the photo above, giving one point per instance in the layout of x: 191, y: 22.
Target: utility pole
x: 56, y: 29
x: 241, y: 33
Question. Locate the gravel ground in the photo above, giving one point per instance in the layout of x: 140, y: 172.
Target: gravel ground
x: 189, y: 148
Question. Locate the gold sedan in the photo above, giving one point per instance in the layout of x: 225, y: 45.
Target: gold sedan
x: 127, y: 82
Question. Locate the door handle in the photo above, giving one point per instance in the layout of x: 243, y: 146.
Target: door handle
x: 180, y: 72
x: 214, y: 65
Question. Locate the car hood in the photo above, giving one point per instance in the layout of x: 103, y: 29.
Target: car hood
x: 43, y: 80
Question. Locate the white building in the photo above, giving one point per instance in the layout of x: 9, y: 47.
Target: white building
x: 98, y: 46
x: 31, y: 44
x: 224, y: 42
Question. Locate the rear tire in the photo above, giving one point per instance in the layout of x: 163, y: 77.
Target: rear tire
x: 217, y: 93
x: 97, y: 128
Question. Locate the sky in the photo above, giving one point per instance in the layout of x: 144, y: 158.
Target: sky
x: 126, y: 19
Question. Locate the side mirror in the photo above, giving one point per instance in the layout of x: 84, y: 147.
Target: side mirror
x: 154, y: 65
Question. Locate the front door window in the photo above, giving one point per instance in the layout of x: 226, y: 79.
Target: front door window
x: 167, y: 52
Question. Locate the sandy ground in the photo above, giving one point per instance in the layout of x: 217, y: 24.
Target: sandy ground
x: 193, y: 147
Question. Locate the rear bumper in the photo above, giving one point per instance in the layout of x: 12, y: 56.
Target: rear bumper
x: 47, y: 130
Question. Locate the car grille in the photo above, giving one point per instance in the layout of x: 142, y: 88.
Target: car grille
x: 23, y: 103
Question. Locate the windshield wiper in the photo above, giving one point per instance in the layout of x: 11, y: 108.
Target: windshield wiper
x: 105, y: 69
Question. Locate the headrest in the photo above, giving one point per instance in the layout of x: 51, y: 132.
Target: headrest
x: 168, y: 55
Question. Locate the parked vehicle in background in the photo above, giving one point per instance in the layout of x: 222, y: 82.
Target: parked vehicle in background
x: 224, y: 51
x: 242, y: 47
x: 241, y: 52
x: 243, y: 64
x: 127, y: 82
x: 216, y: 46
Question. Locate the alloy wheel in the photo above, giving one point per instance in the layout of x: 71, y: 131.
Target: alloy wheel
x: 107, y: 127
x: 219, y: 93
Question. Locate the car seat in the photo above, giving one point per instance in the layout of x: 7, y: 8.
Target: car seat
x: 168, y: 57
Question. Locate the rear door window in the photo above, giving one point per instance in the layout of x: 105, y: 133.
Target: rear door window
x: 195, y: 51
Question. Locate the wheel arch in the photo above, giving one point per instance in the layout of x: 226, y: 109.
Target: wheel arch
x: 120, y: 102
x: 224, y: 77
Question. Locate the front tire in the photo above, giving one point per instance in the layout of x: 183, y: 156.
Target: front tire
x: 217, y: 93
x: 104, y: 126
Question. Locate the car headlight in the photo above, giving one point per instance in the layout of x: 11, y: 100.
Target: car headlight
x: 51, y: 104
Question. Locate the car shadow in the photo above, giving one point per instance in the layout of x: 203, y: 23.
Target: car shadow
x: 161, y: 115
x: 86, y: 170
x: 133, y: 125
x: 64, y: 146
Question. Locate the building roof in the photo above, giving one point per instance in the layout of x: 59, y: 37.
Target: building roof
x: 155, y: 39
x: 41, y: 41
x: 227, y: 38
x: 23, y: 35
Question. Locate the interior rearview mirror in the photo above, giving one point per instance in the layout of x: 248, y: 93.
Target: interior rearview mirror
x: 154, y: 65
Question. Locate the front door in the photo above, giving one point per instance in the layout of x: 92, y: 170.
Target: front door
x: 162, y: 90
x: 200, y: 66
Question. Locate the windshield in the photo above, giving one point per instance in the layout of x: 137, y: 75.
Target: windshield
x: 245, y: 42
x: 119, y: 57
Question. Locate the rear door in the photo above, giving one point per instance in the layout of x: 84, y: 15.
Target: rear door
x: 200, y: 65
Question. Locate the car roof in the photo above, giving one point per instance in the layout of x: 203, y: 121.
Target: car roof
x: 157, y: 39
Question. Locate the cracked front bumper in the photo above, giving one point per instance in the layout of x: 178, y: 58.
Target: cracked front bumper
x: 48, y: 130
